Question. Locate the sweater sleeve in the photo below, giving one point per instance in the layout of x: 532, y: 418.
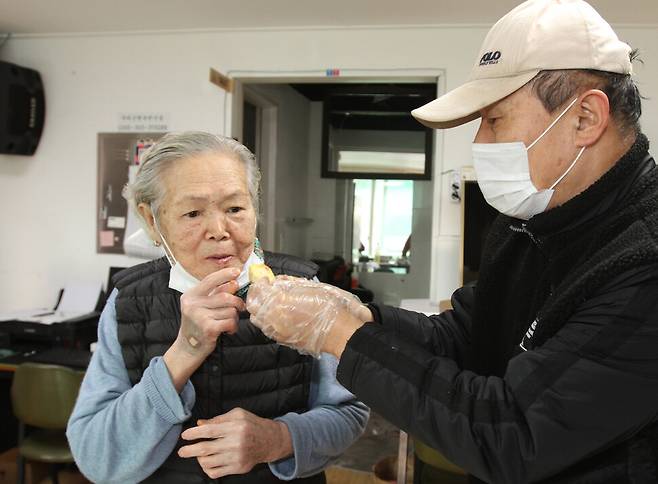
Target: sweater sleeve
x: 335, y: 419
x: 590, y: 386
x: 119, y: 432
x: 447, y: 334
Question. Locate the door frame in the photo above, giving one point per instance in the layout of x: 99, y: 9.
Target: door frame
x: 233, y: 127
x: 267, y: 129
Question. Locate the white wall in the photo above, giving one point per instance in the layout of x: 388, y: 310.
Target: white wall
x: 48, y: 200
x: 321, y: 234
x: 293, y: 111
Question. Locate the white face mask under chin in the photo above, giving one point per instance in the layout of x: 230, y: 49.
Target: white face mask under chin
x: 503, y: 174
x: 182, y: 281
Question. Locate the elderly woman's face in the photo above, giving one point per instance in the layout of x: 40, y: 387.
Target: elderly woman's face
x: 207, y: 217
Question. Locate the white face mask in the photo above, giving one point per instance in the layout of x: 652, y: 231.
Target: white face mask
x: 182, y: 281
x: 503, y: 174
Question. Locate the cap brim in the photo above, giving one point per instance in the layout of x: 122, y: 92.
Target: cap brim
x: 463, y: 104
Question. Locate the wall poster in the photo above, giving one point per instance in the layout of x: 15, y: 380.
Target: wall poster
x: 118, y: 161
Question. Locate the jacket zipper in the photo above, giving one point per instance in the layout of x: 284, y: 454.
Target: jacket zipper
x: 524, y: 230
x: 533, y: 326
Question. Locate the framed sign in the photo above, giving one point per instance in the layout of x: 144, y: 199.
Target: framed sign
x: 118, y: 160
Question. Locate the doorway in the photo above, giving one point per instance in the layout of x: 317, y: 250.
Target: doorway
x: 305, y: 214
x: 258, y: 132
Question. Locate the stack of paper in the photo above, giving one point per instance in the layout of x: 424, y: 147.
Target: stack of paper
x: 78, y: 299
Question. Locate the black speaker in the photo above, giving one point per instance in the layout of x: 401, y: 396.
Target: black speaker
x: 22, y: 109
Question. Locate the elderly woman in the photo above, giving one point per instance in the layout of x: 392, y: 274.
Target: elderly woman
x: 182, y: 387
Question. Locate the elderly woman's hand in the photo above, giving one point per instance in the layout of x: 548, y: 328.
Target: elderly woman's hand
x: 302, y: 314
x: 233, y: 443
x: 207, y: 310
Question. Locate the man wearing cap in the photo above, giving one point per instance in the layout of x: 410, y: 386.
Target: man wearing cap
x: 546, y: 370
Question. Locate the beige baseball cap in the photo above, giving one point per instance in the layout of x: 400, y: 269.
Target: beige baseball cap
x: 537, y: 35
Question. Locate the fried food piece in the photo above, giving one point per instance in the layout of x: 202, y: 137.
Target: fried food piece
x: 258, y: 271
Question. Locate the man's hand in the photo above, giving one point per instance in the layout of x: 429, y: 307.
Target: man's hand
x: 308, y: 316
x: 235, y: 442
x: 351, y: 302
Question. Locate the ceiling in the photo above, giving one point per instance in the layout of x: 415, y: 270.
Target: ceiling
x: 73, y: 16
x: 381, y: 106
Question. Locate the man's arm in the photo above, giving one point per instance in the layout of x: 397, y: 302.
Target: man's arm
x: 446, y: 334
x: 140, y: 423
x: 590, y: 386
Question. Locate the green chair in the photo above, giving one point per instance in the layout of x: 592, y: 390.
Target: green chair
x: 43, y: 397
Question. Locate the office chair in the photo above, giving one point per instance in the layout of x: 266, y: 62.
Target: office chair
x: 42, y: 398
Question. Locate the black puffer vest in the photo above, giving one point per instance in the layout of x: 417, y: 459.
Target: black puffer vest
x: 246, y: 370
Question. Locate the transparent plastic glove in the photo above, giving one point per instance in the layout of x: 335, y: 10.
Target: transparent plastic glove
x: 297, y: 312
x: 351, y: 301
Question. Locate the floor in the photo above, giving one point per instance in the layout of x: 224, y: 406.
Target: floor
x: 335, y: 475
x: 378, y: 443
x: 36, y: 473
x: 379, y: 440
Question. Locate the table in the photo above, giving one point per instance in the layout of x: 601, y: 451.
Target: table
x: 425, y: 306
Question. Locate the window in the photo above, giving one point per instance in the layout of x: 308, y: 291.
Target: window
x: 383, y: 212
x: 368, y: 132
x: 380, y: 161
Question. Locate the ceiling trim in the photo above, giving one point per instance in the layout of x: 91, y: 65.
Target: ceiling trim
x: 311, y: 28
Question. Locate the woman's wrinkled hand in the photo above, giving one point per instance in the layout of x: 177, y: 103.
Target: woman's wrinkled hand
x: 209, y: 309
x: 233, y: 443
x: 300, y: 313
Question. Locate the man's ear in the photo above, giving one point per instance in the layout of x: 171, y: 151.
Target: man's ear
x: 144, y: 210
x: 593, y: 117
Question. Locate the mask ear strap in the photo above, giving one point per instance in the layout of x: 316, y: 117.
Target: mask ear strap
x: 568, y: 169
x: 553, y: 123
x: 168, y: 253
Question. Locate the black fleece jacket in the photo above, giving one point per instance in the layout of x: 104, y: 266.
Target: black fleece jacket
x: 547, y: 370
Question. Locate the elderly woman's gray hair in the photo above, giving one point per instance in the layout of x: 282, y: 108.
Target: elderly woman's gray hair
x: 148, y: 187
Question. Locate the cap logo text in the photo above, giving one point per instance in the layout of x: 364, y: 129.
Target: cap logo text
x: 490, y: 58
